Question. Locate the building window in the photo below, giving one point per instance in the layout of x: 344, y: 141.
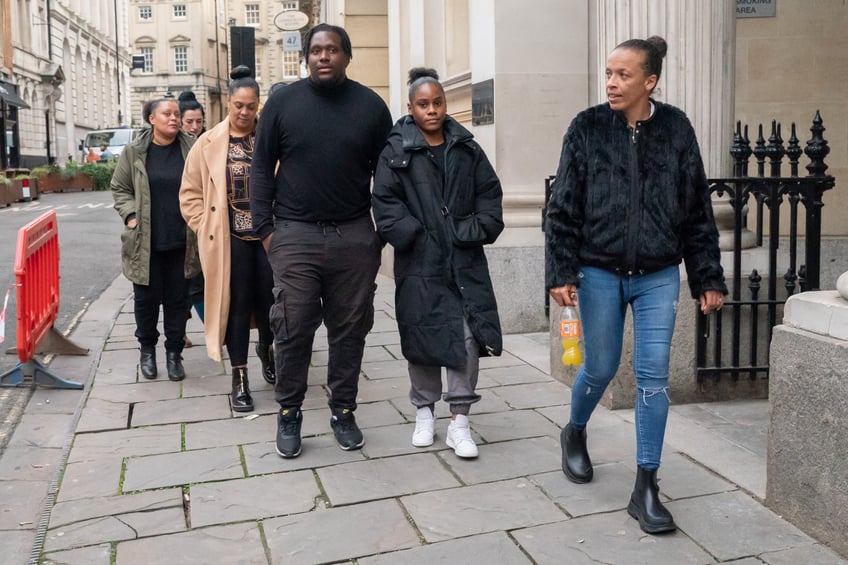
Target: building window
x: 147, y: 52
x: 291, y: 65
x: 251, y: 14
x: 181, y: 59
x: 291, y: 5
x: 179, y: 11
x: 145, y: 13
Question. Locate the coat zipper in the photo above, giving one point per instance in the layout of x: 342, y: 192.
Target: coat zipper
x: 634, y: 209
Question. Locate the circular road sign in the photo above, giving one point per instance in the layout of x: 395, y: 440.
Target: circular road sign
x: 290, y: 20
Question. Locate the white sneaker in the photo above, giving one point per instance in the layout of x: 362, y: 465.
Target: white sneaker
x: 424, y: 428
x: 459, y: 438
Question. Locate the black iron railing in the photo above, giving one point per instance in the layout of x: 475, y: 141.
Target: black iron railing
x: 735, y: 340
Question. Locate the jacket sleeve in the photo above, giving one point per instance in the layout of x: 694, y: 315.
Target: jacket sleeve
x: 191, y: 190
x: 564, y: 217
x: 266, y: 155
x: 123, y: 189
x: 485, y: 224
x: 701, y: 252
x: 395, y: 223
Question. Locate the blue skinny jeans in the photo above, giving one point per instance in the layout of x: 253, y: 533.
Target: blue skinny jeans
x: 603, y: 298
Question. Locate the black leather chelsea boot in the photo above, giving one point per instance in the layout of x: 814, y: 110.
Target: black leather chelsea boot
x: 174, y: 362
x: 240, y: 396
x: 147, y: 362
x: 646, y: 506
x: 575, y: 457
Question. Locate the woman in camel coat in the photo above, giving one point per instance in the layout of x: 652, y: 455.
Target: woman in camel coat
x: 214, y: 199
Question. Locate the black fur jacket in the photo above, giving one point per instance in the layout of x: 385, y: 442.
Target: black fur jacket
x: 632, y: 200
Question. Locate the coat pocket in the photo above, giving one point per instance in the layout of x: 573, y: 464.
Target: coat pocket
x: 466, y: 231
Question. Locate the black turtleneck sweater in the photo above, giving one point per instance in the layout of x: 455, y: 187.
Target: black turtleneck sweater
x: 327, y: 141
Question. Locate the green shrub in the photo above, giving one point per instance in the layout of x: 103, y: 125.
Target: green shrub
x: 5, y: 181
x: 44, y: 170
x: 70, y: 170
x: 100, y: 173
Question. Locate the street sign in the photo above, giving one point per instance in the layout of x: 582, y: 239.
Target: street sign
x: 291, y: 41
x: 755, y: 8
x: 290, y: 20
x: 137, y: 62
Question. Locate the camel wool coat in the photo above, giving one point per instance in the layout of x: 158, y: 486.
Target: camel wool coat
x: 204, y: 205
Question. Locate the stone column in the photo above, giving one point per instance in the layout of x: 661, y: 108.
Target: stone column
x: 534, y: 56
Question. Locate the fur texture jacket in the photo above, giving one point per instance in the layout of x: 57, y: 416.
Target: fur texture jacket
x: 632, y: 200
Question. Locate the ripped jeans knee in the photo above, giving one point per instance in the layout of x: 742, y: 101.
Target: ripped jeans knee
x: 651, y: 414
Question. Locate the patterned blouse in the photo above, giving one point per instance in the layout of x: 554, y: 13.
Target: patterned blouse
x: 239, y: 157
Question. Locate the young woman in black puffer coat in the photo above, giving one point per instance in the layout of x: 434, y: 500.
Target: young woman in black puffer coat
x: 437, y: 200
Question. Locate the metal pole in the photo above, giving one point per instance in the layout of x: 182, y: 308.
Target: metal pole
x: 117, y: 63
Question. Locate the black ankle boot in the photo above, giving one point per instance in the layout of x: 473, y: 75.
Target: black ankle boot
x: 575, y: 457
x: 147, y: 362
x: 174, y: 363
x: 266, y: 356
x: 645, y: 504
x: 240, y: 397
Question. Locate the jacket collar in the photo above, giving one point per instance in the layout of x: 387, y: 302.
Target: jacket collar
x: 406, y: 136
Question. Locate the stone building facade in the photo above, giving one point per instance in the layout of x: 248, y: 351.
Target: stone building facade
x: 70, y: 67
x: 183, y: 46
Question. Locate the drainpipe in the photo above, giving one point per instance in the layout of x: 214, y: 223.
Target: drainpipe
x: 117, y: 65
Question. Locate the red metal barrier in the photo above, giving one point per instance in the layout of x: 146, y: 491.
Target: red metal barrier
x: 37, y: 304
x: 37, y: 278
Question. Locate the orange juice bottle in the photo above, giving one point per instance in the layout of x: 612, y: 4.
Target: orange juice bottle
x: 569, y: 333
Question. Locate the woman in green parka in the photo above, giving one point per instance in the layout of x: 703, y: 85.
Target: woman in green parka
x: 158, y: 250
x: 437, y: 200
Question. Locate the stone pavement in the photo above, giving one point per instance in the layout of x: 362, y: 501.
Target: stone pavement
x: 137, y: 472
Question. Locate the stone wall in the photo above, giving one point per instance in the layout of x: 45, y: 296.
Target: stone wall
x: 807, y: 477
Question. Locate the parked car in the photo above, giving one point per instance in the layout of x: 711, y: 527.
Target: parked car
x: 114, y: 138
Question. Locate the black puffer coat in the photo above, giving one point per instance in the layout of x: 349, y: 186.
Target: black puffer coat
x: 438, y: 228
x: 632, y: 200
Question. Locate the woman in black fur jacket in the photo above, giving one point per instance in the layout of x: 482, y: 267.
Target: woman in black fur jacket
x: 630, y: 201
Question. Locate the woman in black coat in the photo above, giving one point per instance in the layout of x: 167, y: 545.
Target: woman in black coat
x: 437, y: 200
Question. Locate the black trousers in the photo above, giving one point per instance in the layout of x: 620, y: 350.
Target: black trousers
x: 167, y: 288
x: 322, y: 271
x: 251, y: 283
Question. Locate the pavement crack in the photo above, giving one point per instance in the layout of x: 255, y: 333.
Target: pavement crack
x: 127, y: 524
x: 589, y: 557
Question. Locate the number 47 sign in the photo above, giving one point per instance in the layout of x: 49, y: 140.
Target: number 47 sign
x: 291, y: 41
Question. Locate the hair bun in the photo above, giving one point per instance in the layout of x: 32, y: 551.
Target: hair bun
x: 187, y: 96
x: 421, y: 72
x: 242, y: 71
x: 659, y: 44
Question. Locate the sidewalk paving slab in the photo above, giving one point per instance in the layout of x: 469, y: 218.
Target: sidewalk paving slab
x: 477, y: 509
x: 334, y: 534
x: 235, y: 543
x: 486, y: 548
x: 731, y: 525
x: 253, y: 498
x: 607, y: 538
x: 505, y: 460
x: 388, y: 477
x: 95, y: 555
x: 187, y: 467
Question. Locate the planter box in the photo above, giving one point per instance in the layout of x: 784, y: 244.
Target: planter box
x: 54, y: 182
x: 6, y: 195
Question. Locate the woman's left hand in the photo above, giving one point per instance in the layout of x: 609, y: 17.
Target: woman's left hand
x: 711, y: 300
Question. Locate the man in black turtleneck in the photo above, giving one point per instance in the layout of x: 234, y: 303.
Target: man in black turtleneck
x: 317, y: 145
